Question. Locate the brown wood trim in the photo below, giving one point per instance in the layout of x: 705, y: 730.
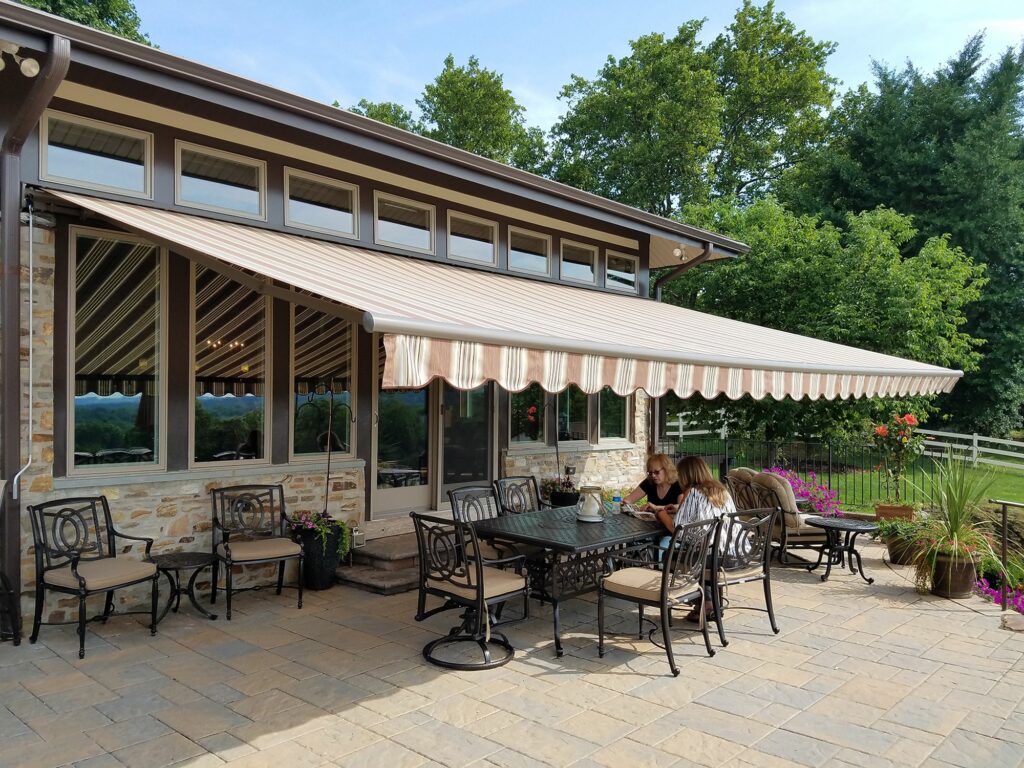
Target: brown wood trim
x: 280, y: 378
x: 179, y: 384
x: 61, y: 344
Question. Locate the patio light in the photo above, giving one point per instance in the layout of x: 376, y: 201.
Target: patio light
x: 29, y: 67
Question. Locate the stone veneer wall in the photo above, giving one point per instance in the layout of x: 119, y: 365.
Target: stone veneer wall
x: 172, y: 508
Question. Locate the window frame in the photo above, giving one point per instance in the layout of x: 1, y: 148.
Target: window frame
x: 314, y: 458
x: 495, y: 228
x: 589, y: 439
x: 608, y: 254
x: 540, y: 235
x: 595, y: 252
x: 94, y: 470
x: 289, y: 172
x: 629, y: 416
x: 44, y: 157
x: 542, y: 433
x: 268, y: 381
x: 379, y: 195
x: 261, y: 170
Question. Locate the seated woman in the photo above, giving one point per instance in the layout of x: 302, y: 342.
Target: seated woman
x: 702, y: 498
x: 660, y: 486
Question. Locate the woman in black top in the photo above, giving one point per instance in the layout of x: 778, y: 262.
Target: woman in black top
x: 660, y: 486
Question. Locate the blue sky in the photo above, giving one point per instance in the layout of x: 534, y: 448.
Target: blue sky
x: 387, y: 51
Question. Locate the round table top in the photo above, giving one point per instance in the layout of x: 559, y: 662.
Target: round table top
x: 842, y: 524
x: 182, y: 560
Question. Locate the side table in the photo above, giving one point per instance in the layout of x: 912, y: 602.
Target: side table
x: 171, y: 565
x: 837, y: 551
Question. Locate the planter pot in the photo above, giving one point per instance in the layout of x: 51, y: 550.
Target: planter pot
x: 320, y: 561
x: 564, y: 498
x: 894, y: 512
x: 902, y: 551
x: 953, y: 577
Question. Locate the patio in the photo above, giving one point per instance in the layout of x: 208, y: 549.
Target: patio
x: 860, y: 675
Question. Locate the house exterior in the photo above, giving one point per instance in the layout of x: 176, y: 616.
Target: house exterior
x: 226, y: 279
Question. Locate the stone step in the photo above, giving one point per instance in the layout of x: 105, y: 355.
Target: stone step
x: 391, y: 553
x: 383, y: 582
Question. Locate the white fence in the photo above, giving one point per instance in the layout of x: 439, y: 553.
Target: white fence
x: 978, y: 448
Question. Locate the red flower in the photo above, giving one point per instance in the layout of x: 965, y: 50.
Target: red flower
x: 882, y: 431
x: 910, y: 420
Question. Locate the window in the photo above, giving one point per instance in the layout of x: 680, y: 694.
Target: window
x: 89, y: 153
x: 614, y: 410
x: 571, y: 407
x: 322, y: 347
x: 230, y: 323
x: 116, y: 352
x: 578, y: 262
x: 472, y: 239
x: 320, y: 204
x: 621, y: 272
x: 220, y: 181
x: 403, y: 223
x: 528, y: 251
x: 526, y: 415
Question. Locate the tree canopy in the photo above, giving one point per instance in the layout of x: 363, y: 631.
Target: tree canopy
x: 118, y: 17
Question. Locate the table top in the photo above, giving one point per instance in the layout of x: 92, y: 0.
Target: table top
x: 182, y: 560
x: 842, y: 524
x: 558, y: 529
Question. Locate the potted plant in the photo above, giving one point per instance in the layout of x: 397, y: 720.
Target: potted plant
x: 561, y: 491
x: 899, y: 443
x: 955, y: 536
x: 325, y: 541
x: 900, y: 537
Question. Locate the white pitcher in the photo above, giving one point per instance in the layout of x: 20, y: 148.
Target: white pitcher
x: 590, y: 505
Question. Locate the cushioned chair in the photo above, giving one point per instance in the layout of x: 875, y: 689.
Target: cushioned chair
x: 467, y: 583
x: 477, y: 502
x: 518, y: 494
x: 249, y: 528
x: 744, y: 494
x: 76, y: 554
x: 790, y: 531
x: 742, y: 554
x: 678, y: 581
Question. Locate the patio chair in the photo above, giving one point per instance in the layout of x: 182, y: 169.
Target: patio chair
x: 790, y: 532
x: 76, y: 554
x: 743, y: 554
x: 744, y: 494
x: 679, y: 581
x: 249, y: 528
x: 467, y: 583
x: 518, y: 494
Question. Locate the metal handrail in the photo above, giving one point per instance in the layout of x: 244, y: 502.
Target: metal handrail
x: 1005, y: 506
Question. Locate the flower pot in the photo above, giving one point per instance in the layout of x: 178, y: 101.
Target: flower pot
x: 321, y: 560
x: 564, y: 498
x: 894, y: 512
x: 953, y: 577
x: 901, y: 550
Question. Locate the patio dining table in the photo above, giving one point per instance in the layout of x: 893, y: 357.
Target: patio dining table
x: 576, y: 554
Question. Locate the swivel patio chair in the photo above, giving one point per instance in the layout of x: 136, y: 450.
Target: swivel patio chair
x: 466, y: 583
x: 744, y: 494
x: 679, y: 581
x: 790, y: 532
x: 518, y: 494
x: 76, y: 554
x: 743, y: 554
x: 250, y: 528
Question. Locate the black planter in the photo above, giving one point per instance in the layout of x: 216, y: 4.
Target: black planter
x: 321, y: 560
x: 564, y: 498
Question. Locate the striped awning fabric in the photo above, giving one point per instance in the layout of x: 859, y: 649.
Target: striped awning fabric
x: 469, y: 326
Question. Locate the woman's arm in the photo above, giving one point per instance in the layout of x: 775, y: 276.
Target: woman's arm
x: 634, y: 495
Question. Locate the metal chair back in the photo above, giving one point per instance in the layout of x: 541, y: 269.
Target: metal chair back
x: 744, y: 540
x: 474, y: 502
x: 65, y: 526
x: 687, y: 555
x: 517, y: 494
x: 444, y: 567
x: 249, y: 511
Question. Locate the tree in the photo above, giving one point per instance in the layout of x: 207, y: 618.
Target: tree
x: 118, y: 17
x: 388, y: 112
x: 852, y: 285
x: 676, y: 122
x: 947, y: 148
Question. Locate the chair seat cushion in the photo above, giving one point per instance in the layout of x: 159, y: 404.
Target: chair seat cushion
x: 260, y: 549
x: 107, y: 573
x: 645, y: 584
x: 496, y: 583
x: 737, y: 574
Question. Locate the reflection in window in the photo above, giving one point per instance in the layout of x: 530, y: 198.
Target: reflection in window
x: 528, y: 252
x: 217, y: 180
x: 320, y: 204
x: 402, y: 438
x: 613, y: 415
x: 230, y: 369
x: 621, y: 273
x: 471, y: 239
x: 526, y: 424
x: 116, y: 417
x: 322, y: 350
x: 578, y: 262
x: 96, y: 154
x: 405, y: 223
x: 572, y: 414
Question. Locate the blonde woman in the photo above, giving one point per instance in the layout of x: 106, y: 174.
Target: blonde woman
x: 660, y: 486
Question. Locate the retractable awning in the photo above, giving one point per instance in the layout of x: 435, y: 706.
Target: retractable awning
x: 468, y: 326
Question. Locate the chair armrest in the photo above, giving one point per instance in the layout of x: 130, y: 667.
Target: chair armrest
x: 75, y: 557
x: 519, y: 560
x: 149, y: 541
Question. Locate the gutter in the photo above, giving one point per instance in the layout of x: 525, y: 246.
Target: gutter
x: 709, y: 249
x: 55, y: 69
